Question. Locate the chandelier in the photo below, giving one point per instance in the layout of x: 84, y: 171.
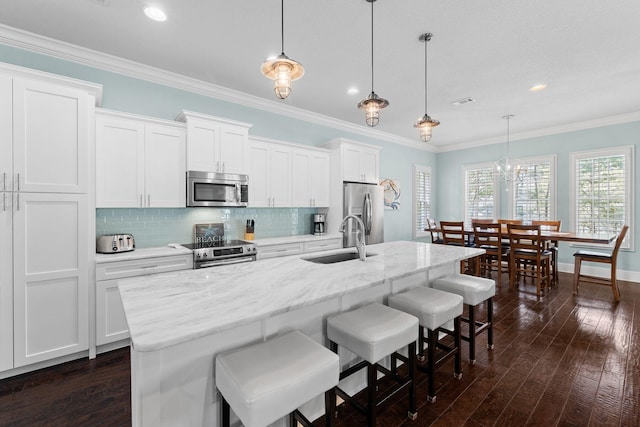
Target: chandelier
x: 281, y: 69
x: 425, y: 123
x: 509, y: 169
x: 372, y: 104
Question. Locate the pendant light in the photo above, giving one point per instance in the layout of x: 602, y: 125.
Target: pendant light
x: 509, y: 169
x: 372, y: 104
x: 281, y: 69
x: 425, y: 123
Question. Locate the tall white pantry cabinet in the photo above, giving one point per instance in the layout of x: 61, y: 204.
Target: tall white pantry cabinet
x: 46, y: 137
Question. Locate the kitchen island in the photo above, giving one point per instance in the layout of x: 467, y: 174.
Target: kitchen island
x: 179, y: 321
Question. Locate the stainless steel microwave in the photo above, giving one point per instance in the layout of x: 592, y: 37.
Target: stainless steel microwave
x: 210, y: 189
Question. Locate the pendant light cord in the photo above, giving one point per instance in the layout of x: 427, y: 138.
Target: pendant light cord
x: 426, y: 40
x: 282, y: 25
x: 372, y: 46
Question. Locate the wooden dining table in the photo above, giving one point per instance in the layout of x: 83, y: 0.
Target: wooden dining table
x: 560, y: 236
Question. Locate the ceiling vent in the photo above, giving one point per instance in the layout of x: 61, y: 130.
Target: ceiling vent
x: 463, y: 101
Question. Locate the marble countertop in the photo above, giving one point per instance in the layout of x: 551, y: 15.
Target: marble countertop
x: 156, y: 252
x: 172, y: 308
x: 295, y: 239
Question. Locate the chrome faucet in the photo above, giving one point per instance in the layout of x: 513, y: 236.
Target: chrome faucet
x: 360, y: 245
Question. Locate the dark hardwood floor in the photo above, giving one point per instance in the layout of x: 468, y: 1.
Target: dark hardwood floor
x: 562, y: 360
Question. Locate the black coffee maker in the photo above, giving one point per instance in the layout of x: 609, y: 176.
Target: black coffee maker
x: 318, y: 224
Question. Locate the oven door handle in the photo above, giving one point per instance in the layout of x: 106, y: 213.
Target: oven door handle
x: 226, y: 262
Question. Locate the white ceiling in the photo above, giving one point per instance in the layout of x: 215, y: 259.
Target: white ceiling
x: 586, y: 51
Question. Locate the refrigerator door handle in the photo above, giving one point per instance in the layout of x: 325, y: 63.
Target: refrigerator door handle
x: 367, y: 214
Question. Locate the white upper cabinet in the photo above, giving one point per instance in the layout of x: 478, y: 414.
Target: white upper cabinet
x: 269, y: 174
x: 215, y: 144
x: 359, y: 163
x: 310, y: 177
x: 139, y: 162
x: 50, y: 133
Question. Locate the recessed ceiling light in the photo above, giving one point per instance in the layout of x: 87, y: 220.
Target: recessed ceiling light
x: 353, y: 91
x: 463, y: 101
x: 537, y: 87
x: 155, y: 14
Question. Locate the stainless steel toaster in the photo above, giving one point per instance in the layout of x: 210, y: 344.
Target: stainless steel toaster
x: 115, y: 243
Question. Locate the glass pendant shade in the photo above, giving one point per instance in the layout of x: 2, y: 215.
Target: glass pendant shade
x: 426, y: 124
x: 371, y: 106
x: 282, y: 69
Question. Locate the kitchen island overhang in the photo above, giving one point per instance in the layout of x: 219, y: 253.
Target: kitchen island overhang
x: 179, y: 321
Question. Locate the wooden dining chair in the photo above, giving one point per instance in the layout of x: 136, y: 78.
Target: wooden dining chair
x: 488, y: 236
x: 453, y: 234
x: 601, y: 257
x: 551, y: 245
x: 432, y: 226
x: 527, y: 250
x: 509, y: 221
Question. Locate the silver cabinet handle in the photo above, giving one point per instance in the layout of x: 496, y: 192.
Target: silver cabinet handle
x: 18, y: 201
x: 141, y: 201
x: 238, y: 192
x: 18, y: 182
x: 217, y: 165
x: 223, y: 167
x: 149, y: 200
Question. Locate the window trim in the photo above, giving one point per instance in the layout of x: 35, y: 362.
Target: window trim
x: 552, y: 159
x: 426, y: 169
x: 629, y: 152
x: 496, y: 188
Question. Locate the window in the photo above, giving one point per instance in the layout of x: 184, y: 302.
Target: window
x: 422, y: 199
x: 480, y: 192
x: 534, y: 197
x: 602, y: 193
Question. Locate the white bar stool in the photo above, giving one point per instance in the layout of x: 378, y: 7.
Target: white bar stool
x: 266, y: 381
x: 434, y: 309
x: 474, y: 290
x: 373, y: 332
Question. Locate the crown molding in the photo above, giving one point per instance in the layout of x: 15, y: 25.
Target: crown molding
x: 554, y: 130
x: 69, y: 52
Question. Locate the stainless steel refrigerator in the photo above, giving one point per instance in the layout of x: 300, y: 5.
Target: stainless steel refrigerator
x: 366, y: 201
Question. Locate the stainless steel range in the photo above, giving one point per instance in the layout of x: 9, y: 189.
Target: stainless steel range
x: 221, y: 252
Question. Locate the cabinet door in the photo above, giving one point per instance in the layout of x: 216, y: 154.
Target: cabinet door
x: 51, y: 137
x: 203, y: 139
x: 258, y: 175
x: 351, y: 164
x: 111, y: 323
x: 165, y: 178
x: 50, y: 270
x: 369, y: 165
x: 301, y: 178
x: 6, y: 240
x: 233, y: 149
x: 320, y: 179
x: 119, y: 163
x: 280, y: 175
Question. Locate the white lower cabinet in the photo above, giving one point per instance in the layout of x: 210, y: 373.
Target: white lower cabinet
x: 298, y: 245
x: 111, y: 323
x: 50, y: 281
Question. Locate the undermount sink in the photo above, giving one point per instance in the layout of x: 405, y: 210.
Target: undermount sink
x: 339, y: 257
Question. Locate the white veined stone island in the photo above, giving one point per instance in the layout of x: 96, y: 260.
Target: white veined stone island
x: 180, y: 321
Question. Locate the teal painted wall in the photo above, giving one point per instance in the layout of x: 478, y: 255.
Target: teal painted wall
x: 450, y: 179
x: 123, y: 93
